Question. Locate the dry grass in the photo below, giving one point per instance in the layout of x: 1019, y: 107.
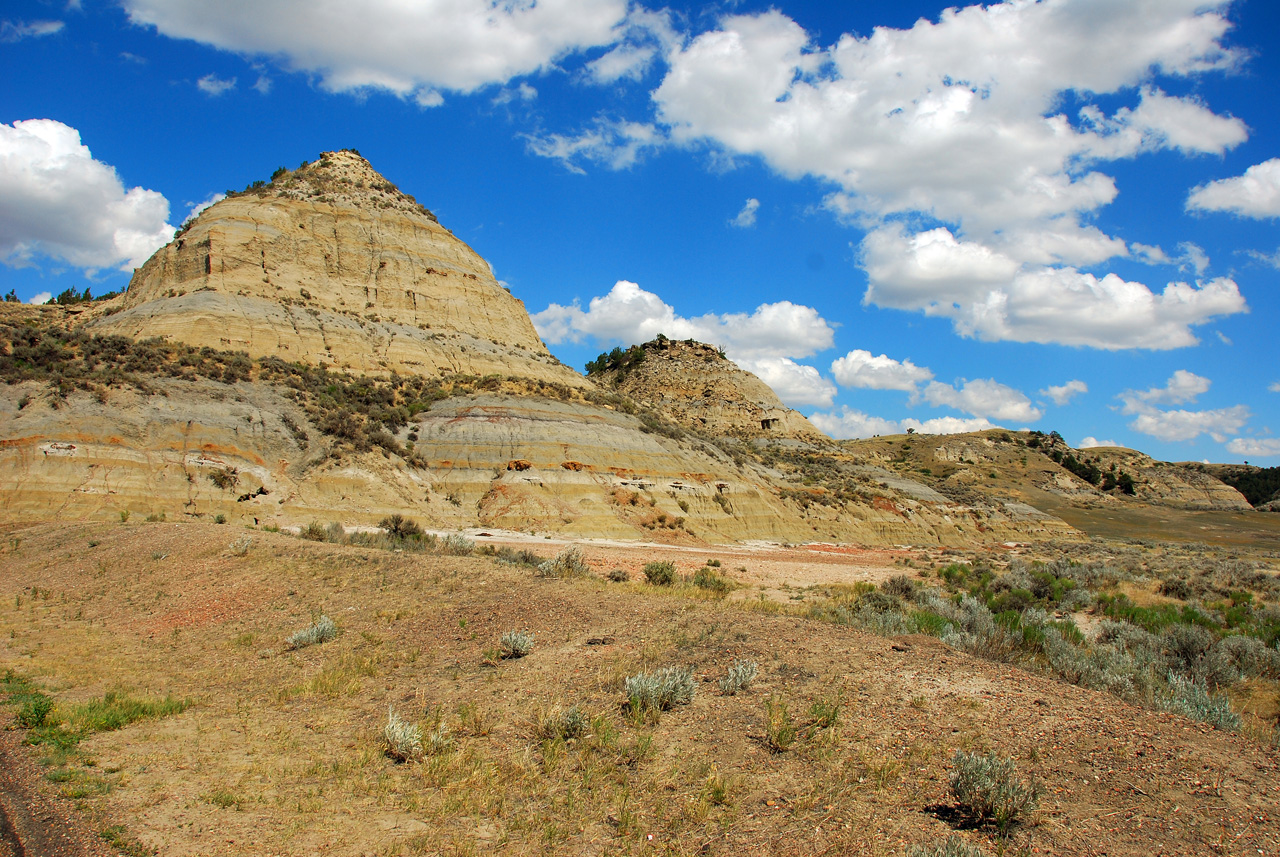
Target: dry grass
x: 283, y: 751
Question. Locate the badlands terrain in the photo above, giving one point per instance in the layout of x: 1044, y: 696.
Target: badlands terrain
x: 310, y: 545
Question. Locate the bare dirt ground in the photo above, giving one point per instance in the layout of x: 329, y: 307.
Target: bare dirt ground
x: 282, y: 751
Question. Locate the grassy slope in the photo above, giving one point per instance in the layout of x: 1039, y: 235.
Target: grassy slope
x: 282, y: 751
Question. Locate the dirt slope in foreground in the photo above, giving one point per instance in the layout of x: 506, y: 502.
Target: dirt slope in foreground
x: 282, y: 752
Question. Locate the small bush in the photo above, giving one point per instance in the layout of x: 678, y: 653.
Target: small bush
x: 659, y: 690
x: 322, y: 631
x: 335, y: 533
x: 224, y: 478
x: 404, y: 739
x: 400, y: 527
x: 240, y: 547
x: 899, y: 586
x: 313, y: 532
x: 568, y: 563
x: 707, y: 578
x: 988, y: 789
x: 35, y: 708
x: 740, y: 675
x: 456, y: 544
x: 619, y: 575
x: 780, y: 732
x: 515, y: 644
x: 660, y: 573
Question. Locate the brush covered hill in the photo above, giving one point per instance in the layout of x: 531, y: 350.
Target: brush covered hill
x: 699, y: 388
x: 319, y: 348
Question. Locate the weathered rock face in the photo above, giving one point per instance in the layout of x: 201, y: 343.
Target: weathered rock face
x: 199, y: 449
x: 694, y: 385
x: 331, y: 264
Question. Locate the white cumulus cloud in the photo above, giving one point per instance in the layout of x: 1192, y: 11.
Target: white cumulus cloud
x: 40, y: 298
x: 860, y: 369
x: 617, y: 144
x: 1188, y: 425
x: 1275, y: 388
x: 1255, y: 447
x: 747, y: 216
x: 1181, y: 388
x: 989, y: 295
x: 1064, y: 393
x: 629, y: 314
x: 1093, y: 443
x: 984, y: 398
x: 851, y: 423
x: 1254, y: 194
x: 795, y: 383
x: 213, y: 85
x: 961, y: 121
x: 404, y: 48
x: 57, y: 201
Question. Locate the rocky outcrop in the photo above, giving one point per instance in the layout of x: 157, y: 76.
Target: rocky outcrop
x: 1162, y: 483
x: 697, y: 387
x: 331, y: 264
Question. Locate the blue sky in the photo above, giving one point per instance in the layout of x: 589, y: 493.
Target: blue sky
x: 1059, y: 215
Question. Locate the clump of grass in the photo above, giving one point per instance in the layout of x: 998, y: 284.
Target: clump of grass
x: 515, y: 644
x: 660, y: 573
x: 824, y: 714
x: 115, y: 711
x: 403, y: 739
x: 335, y: 533
x: 568, y: 563
x: 322, y: 631
x: 779, y: 730
x: 659, y: 690
x: 952, y: 846
x: 619, y: 575
x: 240, y: 547
x: 988, y: 789
x: 740, y: 675
x: 563, y: 724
